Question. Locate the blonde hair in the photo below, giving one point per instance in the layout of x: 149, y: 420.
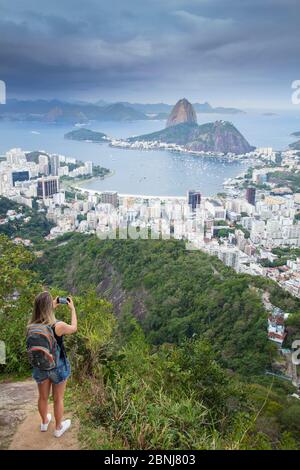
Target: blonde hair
x: 43, y: 311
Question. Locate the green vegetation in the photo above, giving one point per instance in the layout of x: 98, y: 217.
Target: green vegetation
x: 273, y: 264
x: 219, y: 136
x: 224, y: 232
x: 176, y: 394
x: 100, y: 171
x: 291, y: 253
x: 71, y: 194
x: 86, y: 134
x: 34, y: 156
x: 243, y: 229
x: 283, y: 254
x: 184, y: 293
x: 249, y: 173
x: 34, y: 229
x: 285, y: 178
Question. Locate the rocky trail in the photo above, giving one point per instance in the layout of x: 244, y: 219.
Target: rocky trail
x: 20, y: 421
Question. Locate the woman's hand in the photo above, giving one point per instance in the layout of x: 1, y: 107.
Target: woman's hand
x: 55, y: 302
x: 63, y: 328
x: 70, y: 303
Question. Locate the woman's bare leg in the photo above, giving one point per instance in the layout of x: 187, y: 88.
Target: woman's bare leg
x: 44, y: 392
x: 58, y: 400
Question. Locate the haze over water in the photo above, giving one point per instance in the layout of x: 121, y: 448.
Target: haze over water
x: 152, y: 172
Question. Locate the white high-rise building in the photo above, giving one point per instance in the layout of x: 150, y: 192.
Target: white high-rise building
x: 43, y: 165
x: 89, y: 167
x: 54, y: 165
x: 15, y: 156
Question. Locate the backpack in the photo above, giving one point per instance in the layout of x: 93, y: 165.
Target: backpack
x: 42, y: 348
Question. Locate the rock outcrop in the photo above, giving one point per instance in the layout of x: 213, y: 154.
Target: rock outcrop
x: 182, y: 112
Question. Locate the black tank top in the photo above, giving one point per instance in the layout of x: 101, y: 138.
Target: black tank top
x: 60, y: 342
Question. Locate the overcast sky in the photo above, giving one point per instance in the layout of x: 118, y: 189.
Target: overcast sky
x: 229, y: 52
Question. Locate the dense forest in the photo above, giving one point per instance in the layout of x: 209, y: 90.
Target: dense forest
x: 175, y: 294
x: 171, y: 350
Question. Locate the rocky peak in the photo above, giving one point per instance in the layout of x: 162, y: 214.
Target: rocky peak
x: 183, y: 111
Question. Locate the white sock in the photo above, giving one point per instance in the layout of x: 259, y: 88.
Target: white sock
x: 44, y: 427
x: 64, y: 426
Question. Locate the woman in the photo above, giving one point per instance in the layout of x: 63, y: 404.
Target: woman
x: 43, y: 313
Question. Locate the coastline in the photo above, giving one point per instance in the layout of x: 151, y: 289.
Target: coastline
x: 80, y: 182
x: 148, y: 146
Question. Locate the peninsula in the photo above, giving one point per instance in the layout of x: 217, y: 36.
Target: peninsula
x: 182, y: 130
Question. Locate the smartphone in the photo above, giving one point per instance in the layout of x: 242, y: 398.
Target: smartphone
x: 63, y: 300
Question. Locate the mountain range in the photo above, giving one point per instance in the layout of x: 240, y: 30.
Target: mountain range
x: 165, y: 109
x: 56, y: 111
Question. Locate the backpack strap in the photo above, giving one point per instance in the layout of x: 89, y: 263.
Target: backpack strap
x: 61, y: 343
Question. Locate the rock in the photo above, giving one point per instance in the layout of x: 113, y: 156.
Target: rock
x: 16, y: 400
x: 183, y: 111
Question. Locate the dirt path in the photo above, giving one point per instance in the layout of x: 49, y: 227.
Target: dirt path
x: 20, y: 421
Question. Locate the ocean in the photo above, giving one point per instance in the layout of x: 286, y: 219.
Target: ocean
x: 155, y: 172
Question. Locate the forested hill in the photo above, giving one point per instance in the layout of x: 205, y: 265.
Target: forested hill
x: 202, y: 385
x: 175, y: 293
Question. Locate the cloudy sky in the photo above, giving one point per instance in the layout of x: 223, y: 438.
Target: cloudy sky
x: 228, y: 52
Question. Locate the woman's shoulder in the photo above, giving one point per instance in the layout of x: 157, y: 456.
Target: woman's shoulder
x: 54, y: 326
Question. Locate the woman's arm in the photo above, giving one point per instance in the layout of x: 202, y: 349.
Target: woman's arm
x: 63, y: 328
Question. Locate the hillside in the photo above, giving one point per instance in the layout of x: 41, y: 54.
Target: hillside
x: 129, y: 394
x: 174, y: 293
x: 219, y: 136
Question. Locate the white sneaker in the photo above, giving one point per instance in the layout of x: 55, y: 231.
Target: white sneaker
x: 64, y: 427
x: 44, y: 427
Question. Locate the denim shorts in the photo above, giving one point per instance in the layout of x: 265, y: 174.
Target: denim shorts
x: 57, y: 375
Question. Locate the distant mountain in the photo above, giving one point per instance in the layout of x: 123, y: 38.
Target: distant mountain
x: 34, y: 156
x: 183, y: 111
x: 219, y: 136
x: 56, y: 111
x: 295, y: 145
x: 156, y: 108
x: 120, y: 112
x: 86, y: 134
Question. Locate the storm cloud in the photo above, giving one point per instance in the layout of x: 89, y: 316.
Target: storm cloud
x: 233, y: 52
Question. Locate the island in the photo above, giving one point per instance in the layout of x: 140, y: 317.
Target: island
x: 87, y: 135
